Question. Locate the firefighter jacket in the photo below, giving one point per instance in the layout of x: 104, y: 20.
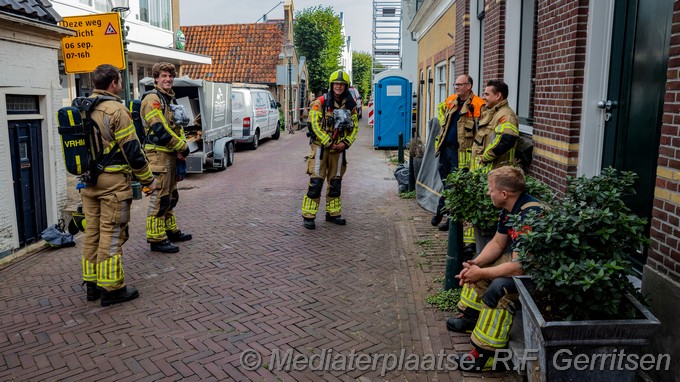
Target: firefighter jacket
x: 321, y: 119
x: 494, y: 143
x: 469, y: 113
x: 118, y: 133
x: 162, y: 133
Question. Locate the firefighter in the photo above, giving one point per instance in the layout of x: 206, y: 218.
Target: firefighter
x: 496, y: 138
x: 454, y: 145
x: 333, y: 125
x: 489, y: 294
x: 106, y: 204
x: 165, y: 145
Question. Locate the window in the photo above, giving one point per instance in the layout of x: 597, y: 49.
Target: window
x: 102, y: 5
x: 440, y: 83
x: 428, y: 103
x: 452, y: 75
x: 525, y: 85
x: 156, y: 13
x: 99, y: 5
x: 22, y: 104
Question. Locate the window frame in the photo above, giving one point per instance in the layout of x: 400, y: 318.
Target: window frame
x: 440, y: 81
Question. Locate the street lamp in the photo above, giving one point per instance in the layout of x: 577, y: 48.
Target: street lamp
x: 289, y: 50
x: 121, y: 6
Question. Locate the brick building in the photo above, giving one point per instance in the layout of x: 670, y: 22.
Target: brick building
x: 596, y: 84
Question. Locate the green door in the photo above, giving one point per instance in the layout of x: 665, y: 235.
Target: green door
x: 637, y: 80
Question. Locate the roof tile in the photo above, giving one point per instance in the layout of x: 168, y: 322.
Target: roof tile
x: 240, y: 52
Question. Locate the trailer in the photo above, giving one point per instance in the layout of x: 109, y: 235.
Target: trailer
x: 209, y: 134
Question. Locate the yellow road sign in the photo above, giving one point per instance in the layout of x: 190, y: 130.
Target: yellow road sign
x: 99, y: 40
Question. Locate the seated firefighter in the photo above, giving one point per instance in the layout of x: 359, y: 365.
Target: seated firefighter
x: 489, y: 294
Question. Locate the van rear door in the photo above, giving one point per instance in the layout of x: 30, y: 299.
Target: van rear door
x: 261, y: 109
x: 273, y: 113
x: 238, y: 104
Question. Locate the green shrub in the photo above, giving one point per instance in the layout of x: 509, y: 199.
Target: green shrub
x: 578, y: 252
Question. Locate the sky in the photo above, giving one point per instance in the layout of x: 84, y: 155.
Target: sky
x: 358, y: 14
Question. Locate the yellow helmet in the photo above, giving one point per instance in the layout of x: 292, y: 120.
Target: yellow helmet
x: 340, y: 77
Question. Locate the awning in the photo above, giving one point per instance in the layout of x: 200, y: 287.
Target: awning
x: 154, y: 53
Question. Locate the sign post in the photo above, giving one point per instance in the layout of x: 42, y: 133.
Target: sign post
x: 99, y: 40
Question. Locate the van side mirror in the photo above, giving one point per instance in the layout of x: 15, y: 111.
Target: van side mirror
x: 278, y: 104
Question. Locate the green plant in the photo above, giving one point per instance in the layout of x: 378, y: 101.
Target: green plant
x: 577, y: 252
x: 408, y: 194
x: 445, y: 300
x: 467, y: 199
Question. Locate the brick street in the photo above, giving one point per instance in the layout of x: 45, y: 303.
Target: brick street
x: 251, y: 278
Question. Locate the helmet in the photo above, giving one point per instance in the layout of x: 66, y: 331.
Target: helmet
x: 339, y: 76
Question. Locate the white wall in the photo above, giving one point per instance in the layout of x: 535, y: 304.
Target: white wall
x: 139, y: 31
x: 30, y: 69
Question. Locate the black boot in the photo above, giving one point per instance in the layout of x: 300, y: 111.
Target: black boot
x: 123, y: 294
x: 178, y: 236
x: 437, y: 218
x: 444, y: 227
x: 463, y: 323
x: 92, y: 290
x: 164, y: 246
x: 309, y: 223
x: 335, y: 219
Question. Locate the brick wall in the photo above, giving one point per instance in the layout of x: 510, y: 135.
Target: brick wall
x: 462, y: 44
x: 494, y: 40
x: 664, y: 253
x: 560, y: 59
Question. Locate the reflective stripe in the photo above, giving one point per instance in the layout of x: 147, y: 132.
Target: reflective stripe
x: 110, y: 271
x: 89, y: 271
x: 499, y: 131
x: 171, y: 223
x: 150, y: 146
x: 339, y: 164
x: 321, y: 135
x: 333, y: 206
x: 469, y: 236
x: 469, y: 298
x: 464, y: 158
x: 309, y: 206
x: 155, y: 227
x: 317, y: 161
x: 79, y: 166
x: 70, y: 117
x: 124, y: 132
x: 353, y: 135
x: 493, y: 327
x: 441, y: 110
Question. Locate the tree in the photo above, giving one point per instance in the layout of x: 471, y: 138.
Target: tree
x: 318, y: 37
x: 362, y: 69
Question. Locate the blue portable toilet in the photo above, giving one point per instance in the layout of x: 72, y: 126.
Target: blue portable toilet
x: 392, y: 91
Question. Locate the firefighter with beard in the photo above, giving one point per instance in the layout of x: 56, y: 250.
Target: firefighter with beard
x: 333, y: 125
x: 165, y: 145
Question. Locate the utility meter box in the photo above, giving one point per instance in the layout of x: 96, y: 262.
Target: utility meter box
x: 392, y: 91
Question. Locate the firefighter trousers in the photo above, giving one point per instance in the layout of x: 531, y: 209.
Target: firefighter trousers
x: 160, y: 216
x: 106, y: 207
x: 328, y: 165
x: 494, y: 303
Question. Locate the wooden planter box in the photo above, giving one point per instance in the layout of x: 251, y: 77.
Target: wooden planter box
x: 582, y: 350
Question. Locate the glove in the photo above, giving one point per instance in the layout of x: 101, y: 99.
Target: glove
x: 183, y: 154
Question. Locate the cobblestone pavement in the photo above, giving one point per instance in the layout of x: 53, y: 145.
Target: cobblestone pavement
x: 251, y: 279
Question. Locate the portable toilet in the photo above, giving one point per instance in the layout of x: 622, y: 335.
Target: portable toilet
x: 392, y: 91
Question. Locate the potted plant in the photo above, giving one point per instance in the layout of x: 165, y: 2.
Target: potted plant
x: 467, y: 200
x: 577, y: 300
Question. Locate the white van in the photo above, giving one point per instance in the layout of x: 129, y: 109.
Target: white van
x: 255, y: 114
